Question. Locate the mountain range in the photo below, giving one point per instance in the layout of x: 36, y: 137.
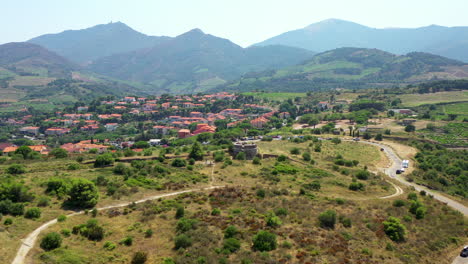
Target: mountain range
x: 450, y: 42
x: 352, y: 68
x: 195, y: 62
x: 86, y: 45
x: 118, y: 59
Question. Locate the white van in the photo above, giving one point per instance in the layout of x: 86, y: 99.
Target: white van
x: 405, y: 163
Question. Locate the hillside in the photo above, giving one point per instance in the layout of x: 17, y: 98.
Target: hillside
x: 86, y: 45
x: 451, y: 42
x: 30, y: 59
x: 353, y: 68
x: 30, y: 73
x: 194, y: 62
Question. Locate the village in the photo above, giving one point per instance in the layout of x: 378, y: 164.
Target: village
x: 176, y: 117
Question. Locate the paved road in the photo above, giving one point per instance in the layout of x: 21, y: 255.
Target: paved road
x: 397, y: 165
x: 392, y: 173
x: 28, y: 242
x: 460, y: 260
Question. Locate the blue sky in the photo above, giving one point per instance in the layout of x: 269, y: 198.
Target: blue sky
x: 243, y: 21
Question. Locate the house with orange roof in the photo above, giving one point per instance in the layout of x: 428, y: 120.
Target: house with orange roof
x: 183, y: 133
x: 166, y: 105
x: 196, y: 114
x: 204, y: 128
x: 129, y: 99
x: 259, y: 122
x: 57, y: 131
x: 8, y: 150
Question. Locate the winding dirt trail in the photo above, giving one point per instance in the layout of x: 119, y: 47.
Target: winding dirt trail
x: 28, y: 242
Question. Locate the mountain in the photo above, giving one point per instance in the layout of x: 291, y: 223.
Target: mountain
x: 30, y: 72
x: 30, y: 59
x: 450, y: 42
x: 86, y: 45
x: 352, y: 68
x: 194, y: 62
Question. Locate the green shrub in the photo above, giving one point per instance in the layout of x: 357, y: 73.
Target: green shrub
x: 215, y: 211
x: 83, y: 193
x: 346, y: 222
x: 264, y: 241
x: 363, y: 175
x: 398, y: 203
x: 295, y: 151
x: 327, y: 219
x: 16, y: 169
x: 182, y: 241
x: 177, y: 162
x: 230, y: 231
x: 356, y: 186
x: 306, y: 156
x: 256, y: 161
x: 273, y: 220
x: 281, y: 211
x: 336, y: 140
x: 184, y: 225
x: 180, y: 212
x: 51, y: 241
x: 378, y: 137
x: 261, y: 193
x: 148, y: 233
x: 412, y: 196
x: 59, y: 153
x: 8, y: 221
x: 33, y: 213
x: 282, y: 158
x: 73, y: 166
x: 127, y: 241
x: 109, y: 245
x: 139, y: 257
x: 104, y: 160
x: 395, y: 230
x: 61, y: 218
x: 65, y: 232
x: 43, y: 201
x: 231, y: 244
x: 420, y: 212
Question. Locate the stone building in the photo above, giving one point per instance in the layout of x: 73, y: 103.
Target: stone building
x: 250, y: 149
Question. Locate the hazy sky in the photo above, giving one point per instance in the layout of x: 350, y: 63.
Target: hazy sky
x: 243, y: 21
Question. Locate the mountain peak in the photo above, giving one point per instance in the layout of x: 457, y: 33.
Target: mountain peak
x: 195, y: 31
x: 333, y: 22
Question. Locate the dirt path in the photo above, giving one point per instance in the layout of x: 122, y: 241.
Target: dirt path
x: 28, y: 242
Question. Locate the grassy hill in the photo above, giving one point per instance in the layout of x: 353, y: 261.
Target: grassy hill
x: 31, y: 75
x: 352, y: 68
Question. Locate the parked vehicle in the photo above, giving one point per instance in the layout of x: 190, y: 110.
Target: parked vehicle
x: 464, y: 252
x: 405, y: 163
x: 398, y: 171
